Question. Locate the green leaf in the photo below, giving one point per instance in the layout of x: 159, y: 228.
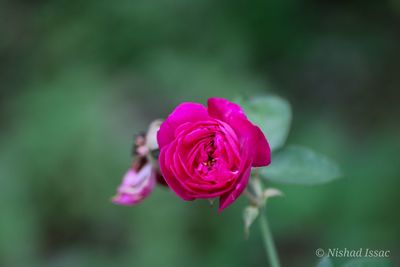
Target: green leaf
x: 300, y: 165
x: 368, y: 263
x: 325, y: 262
x: 272, y: 114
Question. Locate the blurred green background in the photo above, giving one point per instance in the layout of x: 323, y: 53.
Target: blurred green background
x: 79, y: 78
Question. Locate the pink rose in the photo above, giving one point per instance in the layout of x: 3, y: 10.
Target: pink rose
x: 208, y: 152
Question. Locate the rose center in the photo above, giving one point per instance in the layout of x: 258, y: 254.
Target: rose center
x: 210, y: 156
x: 208, y: 159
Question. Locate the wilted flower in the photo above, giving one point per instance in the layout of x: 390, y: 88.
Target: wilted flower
x: 137, y: 184
x: 140, y: 179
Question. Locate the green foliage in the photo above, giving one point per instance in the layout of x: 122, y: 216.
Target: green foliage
x: 272, y: 114
x: 362, y: 262
x: 292, y: 165
x: 325, y: 262
x: 300, y: 165
x: 79, y: 78
x: 368, y: 263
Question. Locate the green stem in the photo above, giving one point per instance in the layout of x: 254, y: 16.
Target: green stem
x: 268, y: 240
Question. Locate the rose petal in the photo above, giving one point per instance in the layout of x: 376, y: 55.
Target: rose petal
x: 228, y: 198
x: 170, y: 178
x: 262, y: 151
x: 245, y: 170
x: 234, y: 116
x: 224, y: 110
x: 186, y: 112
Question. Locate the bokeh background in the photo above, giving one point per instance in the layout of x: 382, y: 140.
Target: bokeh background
x: 79, y: 78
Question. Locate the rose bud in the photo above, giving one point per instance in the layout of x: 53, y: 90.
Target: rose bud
x: 209, y: 152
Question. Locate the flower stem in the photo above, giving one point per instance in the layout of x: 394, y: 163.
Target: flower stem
x: 268, y: 240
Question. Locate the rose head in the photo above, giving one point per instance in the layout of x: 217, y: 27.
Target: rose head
x: 208, y: 152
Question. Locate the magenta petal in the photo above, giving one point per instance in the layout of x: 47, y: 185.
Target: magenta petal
x: 186, y: 112
x: 233, y: 115
x: 170, y: 178
x: 224, y: 110
x: 228, y: 198
x: 262, y: 152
